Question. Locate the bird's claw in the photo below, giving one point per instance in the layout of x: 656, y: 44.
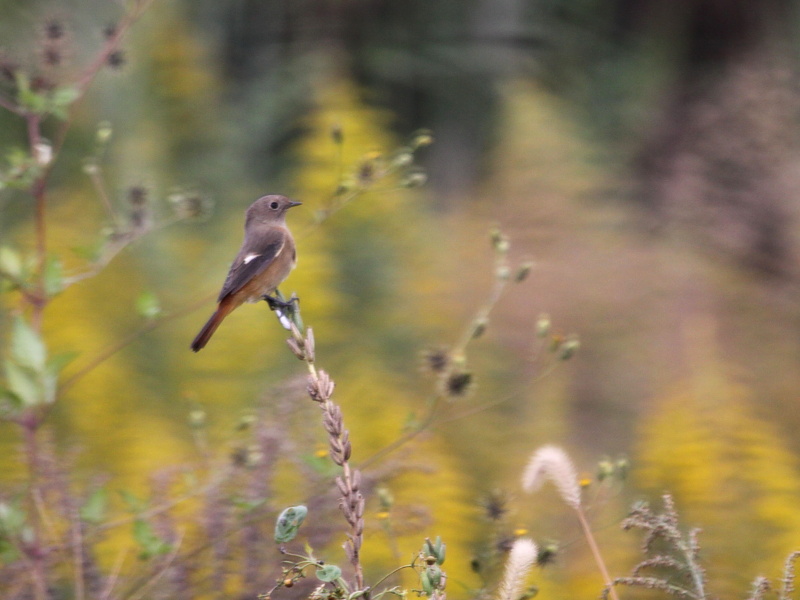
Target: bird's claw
x: 279, y: 304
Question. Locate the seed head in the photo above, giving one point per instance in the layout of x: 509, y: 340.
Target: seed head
x: 520, y: 560
x: 543, y: 324
x: 54, y: 30
x: 415, y: 179
x: 421, y: 139
x: 110, y: 30
x: 495, y: 505
x: 52, y: 56
x: 116, y: 60
x: 551, y: 462
x: 437, y: 360
x: 457, y: 384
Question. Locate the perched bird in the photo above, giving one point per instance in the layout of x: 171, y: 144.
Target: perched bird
x: 265, y: 259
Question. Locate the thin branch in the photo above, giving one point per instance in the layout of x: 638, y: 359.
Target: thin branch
x: 111, y: 350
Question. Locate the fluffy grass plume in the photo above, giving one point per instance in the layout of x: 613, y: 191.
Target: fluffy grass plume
x: 551, y: 462
x: 520, y: 560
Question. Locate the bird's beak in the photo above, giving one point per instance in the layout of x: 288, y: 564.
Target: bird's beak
x: 293, y: 203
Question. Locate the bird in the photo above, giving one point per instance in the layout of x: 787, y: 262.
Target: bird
x: 266, y: 258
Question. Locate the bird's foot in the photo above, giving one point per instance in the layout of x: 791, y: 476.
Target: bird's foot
x: 289, y: 305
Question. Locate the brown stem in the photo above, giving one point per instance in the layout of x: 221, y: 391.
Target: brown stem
x: 38, y: 191
x: 320, y: 389
x: 112, y: 45
x: 30, y: 424
x: 598, y: 558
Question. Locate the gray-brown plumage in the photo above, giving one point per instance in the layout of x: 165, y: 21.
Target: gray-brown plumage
x: 266, y: 258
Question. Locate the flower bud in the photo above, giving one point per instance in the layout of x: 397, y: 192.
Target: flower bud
x: 104, y: 132
x: 197, y: 418
x: 421, y: 139
x: 543, y: 326
x: 523, y: 271
x: 403, y: 158
x: 43, y: 153
x: 414, y: 180
x: 479, y: 327
x: 569, y: 348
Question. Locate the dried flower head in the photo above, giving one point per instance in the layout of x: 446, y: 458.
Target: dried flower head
x: 458, y: 383
x: 520, y: 560
x: 52, y: 56
x: 366, y: 171
x: 116, y: 59
x: 189, y: 205
x: 110, y: 30
x: 551, y: 462
x: 495, y: 505
x: 547, y: 554
x: 523, y: 271
x: 137, y: 195
x: 54, y: 29
x: 437, y: 360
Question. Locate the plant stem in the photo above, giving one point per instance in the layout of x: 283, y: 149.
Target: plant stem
x: 598, y: 558
x: 38, y: 191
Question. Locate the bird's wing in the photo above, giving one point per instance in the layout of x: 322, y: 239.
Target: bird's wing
x: 255, y: 256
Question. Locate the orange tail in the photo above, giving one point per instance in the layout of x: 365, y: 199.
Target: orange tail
x: 223, y: 310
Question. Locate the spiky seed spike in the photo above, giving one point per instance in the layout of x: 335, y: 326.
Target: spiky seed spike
x: 295, y: 348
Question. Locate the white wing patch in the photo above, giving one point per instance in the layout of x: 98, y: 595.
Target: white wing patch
x: 250, y: 257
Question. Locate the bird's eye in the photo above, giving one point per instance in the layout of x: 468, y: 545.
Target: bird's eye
x: 273, y: 205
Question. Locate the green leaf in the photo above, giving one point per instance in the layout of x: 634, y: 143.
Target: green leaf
x: 23, y: 385
x: 94, y: 509
x: 12, y: 519
x: 289, y: 522
x: 8, y: 551
x: 329, y: 573
x: 60, y: 100
x: 53, y: 277
x: 10, y: 263
x: 151, y: 545
x: 27, y: 347
x: 64, y: 96
x: 148, y: 306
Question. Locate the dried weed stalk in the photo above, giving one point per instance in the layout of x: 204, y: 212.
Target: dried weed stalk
x: 320, y: 390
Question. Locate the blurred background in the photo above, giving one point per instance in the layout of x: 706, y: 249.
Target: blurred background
x: 642, y: 154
